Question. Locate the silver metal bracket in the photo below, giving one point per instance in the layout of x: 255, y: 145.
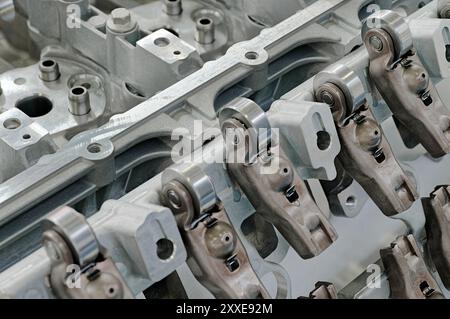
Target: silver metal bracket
x: 271, y: 183
x: 407, y: 272
x: 80, y: 268
x: 437, y: 213
x: 216, y: 255
x: 366, y: 154
x: 404, y: 83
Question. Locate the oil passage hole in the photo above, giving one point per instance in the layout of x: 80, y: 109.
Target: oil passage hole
x: 35, y: 106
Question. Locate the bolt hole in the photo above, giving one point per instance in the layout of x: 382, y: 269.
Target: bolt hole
x: 48, y: 63
x: 12, y: 124
x: 111, y: 290
x: 26, y: 136
x: 94, y: 148
x: 227, y: 238
x: 251, y: 55
x: 79, y: 90
x: 161, y: 42
x: 164, y: 249
x: 176, y: 52
x: 286, y: 170
x: 377, y: 133
x: 323, y: 140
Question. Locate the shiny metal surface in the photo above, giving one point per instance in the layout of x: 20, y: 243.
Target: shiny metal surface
x: 113, y: 152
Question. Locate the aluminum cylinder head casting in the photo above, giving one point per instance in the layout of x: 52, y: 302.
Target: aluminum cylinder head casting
x: 184, y: 149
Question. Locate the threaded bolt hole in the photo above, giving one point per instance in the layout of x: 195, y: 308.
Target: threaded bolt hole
x: 94, y: 148
x: 252, y: 55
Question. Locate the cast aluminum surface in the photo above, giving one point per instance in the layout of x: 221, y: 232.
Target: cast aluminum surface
x: 150, y: 80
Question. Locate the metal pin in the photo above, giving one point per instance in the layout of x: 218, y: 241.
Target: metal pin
x: 205, y: 31
x: 172, y: 7
x: 49, y: 70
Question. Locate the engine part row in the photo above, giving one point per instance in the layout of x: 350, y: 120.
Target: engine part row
x: 196, y: 212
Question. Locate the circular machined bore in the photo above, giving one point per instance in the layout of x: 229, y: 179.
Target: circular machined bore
x: 35, y: 106
x: 12, y: 124
x: 161, y: 42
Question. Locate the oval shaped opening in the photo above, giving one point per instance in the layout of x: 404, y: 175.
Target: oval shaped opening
x: 35, y: 106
